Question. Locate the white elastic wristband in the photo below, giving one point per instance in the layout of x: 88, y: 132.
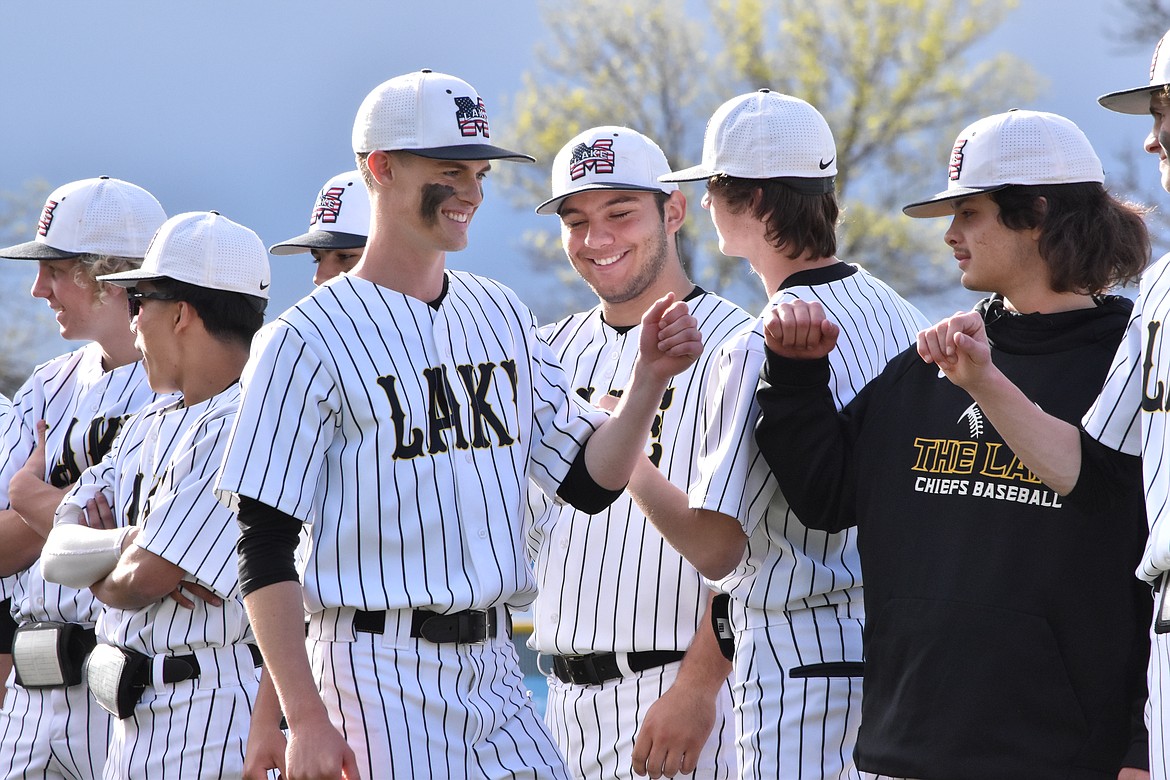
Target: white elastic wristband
x: 77, y: 556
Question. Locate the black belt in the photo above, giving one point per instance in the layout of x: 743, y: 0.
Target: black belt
x: 596, y: 668
x: 177, y: 668
x: 466, y: 627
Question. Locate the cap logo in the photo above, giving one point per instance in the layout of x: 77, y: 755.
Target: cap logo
x: 955, y: 169
x: 46, y: 218
x: 598, y: 158
x: 472, y: 117
x: 328, y: 206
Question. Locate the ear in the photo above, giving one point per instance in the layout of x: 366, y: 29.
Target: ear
x: 675, y: 212
x: 184, y: 317
x: 757, y: 196
x: 1042, y: 207
x: 381, y: 165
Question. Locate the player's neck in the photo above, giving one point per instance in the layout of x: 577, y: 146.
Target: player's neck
x: 776, y: 267
x: 210, y: 369
x: 118, y: 350
x: 1046, y: 301
x: 418, y: 274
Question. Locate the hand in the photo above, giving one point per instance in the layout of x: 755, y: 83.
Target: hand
x: 31, y: 476
x: 799, y: 330
x: 265, y: 751
x: 320, y: 755
x: 670, y: 340
x: 99, y: 514
x: 608, y: 402
x: 199, y: 592
x: 673, y: 733
x: 1129, y: 773
x: 958, y: 346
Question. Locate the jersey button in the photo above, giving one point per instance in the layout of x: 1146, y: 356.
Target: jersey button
x: 483, y: 533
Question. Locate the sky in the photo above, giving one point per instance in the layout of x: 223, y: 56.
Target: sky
x: 245, y: 107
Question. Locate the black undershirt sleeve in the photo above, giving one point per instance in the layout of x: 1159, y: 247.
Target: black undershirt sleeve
x: 267, y: 547
x: 580, y: 491
x: 1108, y: 478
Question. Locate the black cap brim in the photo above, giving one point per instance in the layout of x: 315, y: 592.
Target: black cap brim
x: 940, y: 204
x: 318, y: 239
x: 35, y: 250
x: 1130, y: 101
x: 471, y: 152
x: 553, y: 205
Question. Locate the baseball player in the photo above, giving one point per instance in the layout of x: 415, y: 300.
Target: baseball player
x: 617, y: 659
x: 180, y: 677
x: 795, y: 595
x: 338, y: 227
x: 962, y: 548
x: 405, y: 407
x: 1127, y: 419
x: 49, y: 725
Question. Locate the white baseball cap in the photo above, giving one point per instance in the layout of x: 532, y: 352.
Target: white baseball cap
x: 340, y: 218
x: 1015, y: 147
x: 207, y: 250
x: 428, y: 114
x: 1137, y: 99
x: 101, y: 216
x: 767, y: 135
x: 606, y: 158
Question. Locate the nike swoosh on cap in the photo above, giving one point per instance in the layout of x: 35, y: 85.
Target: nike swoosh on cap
x: 825, y: 165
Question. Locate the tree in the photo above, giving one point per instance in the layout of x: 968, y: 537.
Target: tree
x: 24, y: 325
x: 640, y: 64
x: 1148, y: 20
x: 894, y: 78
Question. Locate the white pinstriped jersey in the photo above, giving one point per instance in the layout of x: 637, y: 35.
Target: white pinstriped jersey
x: 787, y: 566
x: 411, y: 432
x: 8, y: 419
x: 642, y: 594
x: 84, y: 407
x: 1131, y: 413
x: 158, y: 476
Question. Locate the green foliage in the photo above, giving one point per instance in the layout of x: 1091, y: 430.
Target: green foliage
x: 896, y: 80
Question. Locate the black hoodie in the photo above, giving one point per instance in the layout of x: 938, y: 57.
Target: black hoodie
x: 1005, y: 630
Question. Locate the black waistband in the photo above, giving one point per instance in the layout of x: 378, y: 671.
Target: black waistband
x: 465, y: 627
x: 596, y: 668
x: 177, y: 668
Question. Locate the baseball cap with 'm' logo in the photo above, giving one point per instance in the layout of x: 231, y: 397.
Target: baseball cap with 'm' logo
x: 100, y: 216
x: 1016, y: 147
x: 340, y: 218
x: 428, y: 114
x: 606, y: 158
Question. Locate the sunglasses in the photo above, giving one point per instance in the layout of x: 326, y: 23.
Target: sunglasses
x: 134, y: 298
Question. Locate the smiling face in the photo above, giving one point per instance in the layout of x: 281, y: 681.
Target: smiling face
x: 82, y: 314
x: 436, y: 199
x: 618, y: 240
